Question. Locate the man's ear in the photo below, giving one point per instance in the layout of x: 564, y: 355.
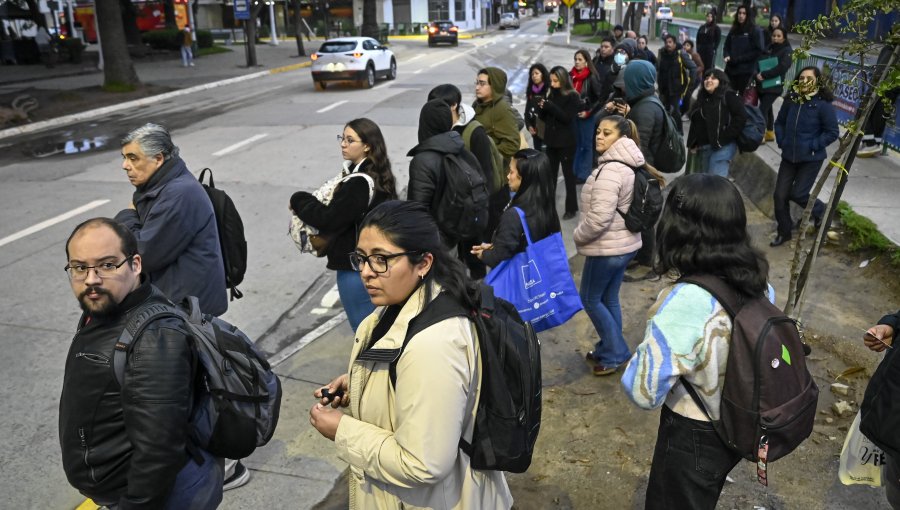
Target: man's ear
x: 159, y: 159
x: 136, y: 263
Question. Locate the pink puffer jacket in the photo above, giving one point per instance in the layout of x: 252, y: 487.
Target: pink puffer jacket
x: 601, y: 230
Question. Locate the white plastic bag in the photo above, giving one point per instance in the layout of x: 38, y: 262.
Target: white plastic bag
x: 861, y: 460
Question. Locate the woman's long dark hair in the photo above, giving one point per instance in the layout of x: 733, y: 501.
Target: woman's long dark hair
x: 747, y: 26
x: 410, y: 226
x: 565, y: 81
x: 379, y: 166
x: 537, y: 192
x: 587, y: 57
x: 703, y: 230
x: 724, y: 86
x: 545, y: 78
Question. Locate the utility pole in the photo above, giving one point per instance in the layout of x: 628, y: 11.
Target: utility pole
x: 273, y: 37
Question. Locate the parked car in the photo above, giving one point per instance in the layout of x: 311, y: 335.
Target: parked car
x: 549, y: 5
x: 359, y: 59
x: 664, y: 13
x: 508, y: 20
x: 443, y: 31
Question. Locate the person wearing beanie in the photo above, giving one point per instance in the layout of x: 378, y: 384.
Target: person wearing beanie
x: 618, y: 33
x: 436, y: 140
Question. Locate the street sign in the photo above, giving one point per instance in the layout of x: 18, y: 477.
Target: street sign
x: 242, y: 9
x: 569, y: 3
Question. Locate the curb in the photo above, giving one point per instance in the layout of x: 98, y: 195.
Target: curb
x: 90, y: 114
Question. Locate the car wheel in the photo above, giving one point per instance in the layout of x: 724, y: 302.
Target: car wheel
x: 455, y: 43
x: 431, y: 44
x: 369, y: 82
x: 392, y: 72
x: 320, y: 85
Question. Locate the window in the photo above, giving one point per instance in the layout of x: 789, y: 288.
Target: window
x: 459, y: 10
x: 337, y: 47
x: 438, y: 9
x: 370, y: 45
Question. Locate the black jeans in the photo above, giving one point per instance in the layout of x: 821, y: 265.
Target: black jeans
x: 765, y: 106
x: 794, y: 182
x: 689, y: 466
x: 739, y: 81
x: 565, y: 156
x: 890, y: 478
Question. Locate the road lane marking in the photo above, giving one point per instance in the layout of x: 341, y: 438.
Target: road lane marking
x: 513, y: 45
x: 331, y: 106
x: 306, y: 339
x: 417, y: 57
x: 331, y: 297
x: 232, y: 148
x: 52, y: 221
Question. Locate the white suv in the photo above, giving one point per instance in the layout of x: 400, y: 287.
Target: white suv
x: 508, y: 20
x: 360, y: 59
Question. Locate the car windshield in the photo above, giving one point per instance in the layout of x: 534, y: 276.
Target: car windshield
x: 443, y: 25
x: 665, y: 9
x: 509, y: 16
x: 337, y: 46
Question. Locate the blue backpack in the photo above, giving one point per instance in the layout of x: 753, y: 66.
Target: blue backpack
x: 751, y: 136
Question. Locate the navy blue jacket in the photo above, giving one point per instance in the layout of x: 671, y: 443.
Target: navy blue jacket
x: 803, y: 131
x: 177, y: 236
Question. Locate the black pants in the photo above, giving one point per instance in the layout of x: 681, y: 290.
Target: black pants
x: 538, y: 142
x: 689, y: 466
x: 765, y: 106
x: 739, y: 81
x: 793, y: 184
x: 565, y: 156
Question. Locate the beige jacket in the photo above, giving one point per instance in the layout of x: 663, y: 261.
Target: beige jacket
x: 402, y: 444
x: 601, y: 231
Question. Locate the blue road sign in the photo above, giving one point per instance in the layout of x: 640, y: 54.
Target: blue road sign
x: 242, y: 9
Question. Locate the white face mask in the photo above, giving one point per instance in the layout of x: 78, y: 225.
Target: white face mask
x: 620, y: 59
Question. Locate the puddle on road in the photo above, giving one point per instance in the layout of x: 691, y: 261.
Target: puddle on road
x: 68, y: 147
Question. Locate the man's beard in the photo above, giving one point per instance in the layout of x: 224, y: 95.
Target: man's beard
x: 98, y: 309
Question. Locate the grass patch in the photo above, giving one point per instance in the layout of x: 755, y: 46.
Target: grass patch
x: 584, y: 29
x: 864, y: 235
x: 118, y: 87
x: 212, y: 50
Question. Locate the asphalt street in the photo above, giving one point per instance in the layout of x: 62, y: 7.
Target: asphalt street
x: 264, y: 138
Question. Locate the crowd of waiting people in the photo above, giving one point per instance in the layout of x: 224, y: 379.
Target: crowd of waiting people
x: 596, y: 122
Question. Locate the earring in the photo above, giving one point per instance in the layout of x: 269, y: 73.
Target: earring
x: 422, y: 277
x: 366, y: 149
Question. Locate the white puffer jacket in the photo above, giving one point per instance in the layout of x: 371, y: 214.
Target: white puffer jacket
x: 601, y: 231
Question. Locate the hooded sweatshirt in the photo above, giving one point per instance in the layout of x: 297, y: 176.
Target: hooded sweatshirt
x: 646, y: 109
x: 496, y: 115
x: 479, y: 144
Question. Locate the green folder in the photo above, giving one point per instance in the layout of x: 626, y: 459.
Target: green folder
x: 766, y: 64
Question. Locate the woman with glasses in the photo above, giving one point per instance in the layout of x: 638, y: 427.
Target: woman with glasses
x: 702, y: 231
x: 364, y: 151
x: 805, y: 127
x: 534, y: 184
x: 607, y: 244
x: 402, y: 424
x: 558, y: 111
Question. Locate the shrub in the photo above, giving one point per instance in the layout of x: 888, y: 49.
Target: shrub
x: 204, y: 39
x: 164, y: 39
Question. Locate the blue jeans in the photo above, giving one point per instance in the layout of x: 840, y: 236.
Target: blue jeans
x: 689, y: 465
x: 600, y: 282
x: 354, y: 297
x: 583, y: 163
x: 187, y: 56
x: 197, y: 486
x: 718, y: 161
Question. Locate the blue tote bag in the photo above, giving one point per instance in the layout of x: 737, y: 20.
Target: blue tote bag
x: 538, y: 281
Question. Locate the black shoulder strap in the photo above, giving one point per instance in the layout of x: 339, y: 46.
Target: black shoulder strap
x: 724, y: 294
x: 203, y: 174
x: 440, y: 308
x: 601, y: 163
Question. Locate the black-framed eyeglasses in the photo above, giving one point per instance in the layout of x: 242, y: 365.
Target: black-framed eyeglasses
x: 378, y: 262
x: 79, y: 272
x: 350, y: 141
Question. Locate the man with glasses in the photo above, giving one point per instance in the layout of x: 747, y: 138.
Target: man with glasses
x: 127, y: 447
x: 173, y: 220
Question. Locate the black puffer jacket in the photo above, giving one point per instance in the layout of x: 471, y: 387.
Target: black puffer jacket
x: 743, y: 48
x: 127, y: 443
x: 559, y: 113
x: 341, y: 217
x: 783, y: 53
x: 716, y: 119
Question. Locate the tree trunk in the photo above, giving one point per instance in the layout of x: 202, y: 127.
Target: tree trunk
x: 169, y: 13
x: 370, y: 19
x: 720, y: 12
x: 636, y: 17
x: 789, y: 22
x: 129, y: 23
x: 118, y: 70
x: 298, y: 28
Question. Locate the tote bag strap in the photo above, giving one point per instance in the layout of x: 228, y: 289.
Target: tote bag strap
x: 524, y: 225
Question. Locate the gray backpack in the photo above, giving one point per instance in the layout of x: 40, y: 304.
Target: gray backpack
x: 237, y: 404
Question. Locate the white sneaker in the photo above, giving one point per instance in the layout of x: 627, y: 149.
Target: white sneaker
x: 236, y: 475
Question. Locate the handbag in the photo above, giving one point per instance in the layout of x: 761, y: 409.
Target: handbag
x: 751, y: 94
x: 861, y: 461
x: 307, y: 238
x: 538, y: 281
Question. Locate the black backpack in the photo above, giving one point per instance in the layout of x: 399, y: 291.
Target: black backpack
x: 239, y: 399
x: 671, y: 154
x: 231, y: 235
x: 768, y: 397
x: 879, y: 413
x: 462, y: 207
x: 646, y: 200
x: 508, y: 417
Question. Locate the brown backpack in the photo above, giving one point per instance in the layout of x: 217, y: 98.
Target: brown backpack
x: 768, y: 397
